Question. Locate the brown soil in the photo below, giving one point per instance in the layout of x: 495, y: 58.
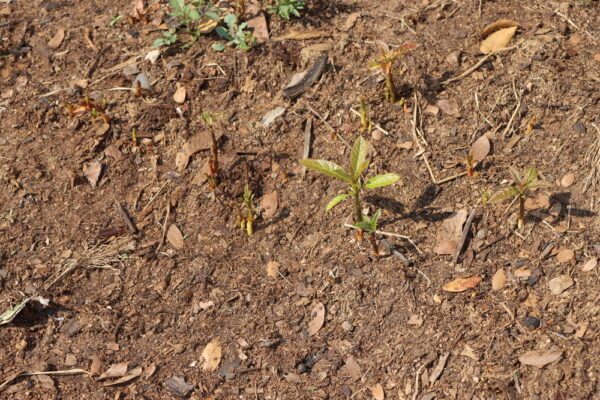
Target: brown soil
x: 385, y: 323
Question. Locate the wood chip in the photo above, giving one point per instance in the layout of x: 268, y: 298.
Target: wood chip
x: 57, y: 39
x: 175, y: 237
x: 540, y: 358
x: 317, y: 319
x: 212, y: 356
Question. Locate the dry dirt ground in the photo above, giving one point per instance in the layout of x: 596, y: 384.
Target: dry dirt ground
x: 150, y: 303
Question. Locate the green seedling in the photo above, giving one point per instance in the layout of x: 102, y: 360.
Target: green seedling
x: 353, y: 177
x: 385, y: 64
x: 86, y: 106
x: 286, y: 8
x: 196, y: 18
x: 365, y: 122
x: 246, y: 223
x: 522, y: 185
x: 115, y: 20
x: 213, y: 163
x: 370, y: 225
x: 235, y: 34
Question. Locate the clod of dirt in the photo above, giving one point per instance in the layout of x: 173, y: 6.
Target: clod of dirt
x: 272, y: 269
x: 540, y: 358
x: 178, y: 386
x: 566, y: 255
x: 212, y: 356
x: 352, y: 368
x: 175, y: 237
x: 560, y: 284
x: 318, y: 319
x: 462, y: 284
x: 269, y: 203
x: 257, y: 23
x: 532, y: 322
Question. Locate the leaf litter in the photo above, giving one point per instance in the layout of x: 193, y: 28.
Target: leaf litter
x: 317, y: 319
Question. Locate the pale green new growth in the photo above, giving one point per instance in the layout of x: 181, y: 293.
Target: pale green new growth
x: 247, y: 222
x: 353, y: 177
x: 370, y: 225
x: 523, y: 183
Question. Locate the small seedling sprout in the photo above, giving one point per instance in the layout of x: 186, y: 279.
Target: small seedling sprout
x: 523, y: 183
x: 370, y: 225
x: 286, y: 8
x: 353, y: 178
x: 213, y: 163
x: 246, y: 223
x: 365, y: 122
x: 385, y: 64
x: 86, y: 106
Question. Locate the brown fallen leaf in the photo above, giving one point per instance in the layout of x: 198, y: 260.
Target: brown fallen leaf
x: 92, y: 172
x: 462, y: 284
x: 114, y: 152
x: 439, y: 368
x: 134, y: 373
x: 175, y: 237
x: 566, y: 255
x: 115, y: 371
x: 181, y: 161
x: 272, y: 269
x: 560, y: 284
x: 352, y: 368
x: 57, y: 39
x: 212, y: 356
x: 317, y: 319
x: 257, y: 22
x: 301, y: 35
x: 180, y: 94
x: 496, y: 26
x: 96, y: 366
x: 540, y: 358
x: 377, y: 392
x: 450, y: 232
x: 469, y: 352
x: 589, y: 265
x: 499, y: 279
x: 480, y: 148
x: 269, y: 203
x: 445, y: 247
x: 351, y: 20
x: 597, y: 57
x: 448, y: 107
x: 497, y: 40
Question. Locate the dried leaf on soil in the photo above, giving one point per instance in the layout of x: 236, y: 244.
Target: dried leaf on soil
x: 497, y: 40
x: 269, y: 203
x: 301, y: 35
x: 469, y: 352
x: 589, y: 265
x: 377, y: 392
x: 181, y: 161
x: 439, y: 368
x: 499, y: 279
x: 480, y: 148
x: 317, y: 319
x: 257, y: 23
x: 175, y: 237
x: 540, y: 358
x: 212, y: 356
x: 448, y: 107
x: 92, y: 172
x: 272, y: 269
x: 351, y: 21
x: 134, y: 373
x: 114, y: 152
x: 352, y: 368
x: 560, y: 284
x: 462, y: 284
x: 10, y: 314
x: 115, y: 371
x: 496, y: 26
x: 450, y: 232
x: 57, y: 39
x: 179, y: 95
x: 178, y: 386
x: 445, y: 247
x: 566, y: 255
x: 96, y: 367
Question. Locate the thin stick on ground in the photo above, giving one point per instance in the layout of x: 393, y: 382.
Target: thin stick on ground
x: 464, y: 235
x: 572, y: 23
x: 164, y: 228
x: 592, y: 157
x: 307, y: 141
x: 408, y: 239
x: 328, y: 125
x: 75, y: 371
x: 515, y: 112
x: 143, y: 213
x: 477, y: 65
x: 375, y: 125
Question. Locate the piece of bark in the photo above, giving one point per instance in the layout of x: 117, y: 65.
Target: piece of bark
x: 309, y: 79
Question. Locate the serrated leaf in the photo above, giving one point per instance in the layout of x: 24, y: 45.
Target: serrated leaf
x: 529, y: 175
x: 327, y: 168
x: 538, y: 184
x: 363, y: 225
x: 382, y: 180
x: 516, y: 175
x: 503, y: 194
x: 358, y: 158
x: 335, y: 201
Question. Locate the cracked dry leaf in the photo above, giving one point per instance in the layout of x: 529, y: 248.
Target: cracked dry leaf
x: 497, y: 40
x: 317, y: 319
x: 115, y: 371
x: 589, y: 265
x: 134, y: 373
x: 212, y: 356
x: 377, y: 392
x: 92, y: 172
x: 499, y: 279
x: 352, y: 368
x: 461, y: 284
x: 480, y: 148
x: 175, y: 237
x: 500, y: 24
x: 540, y: 358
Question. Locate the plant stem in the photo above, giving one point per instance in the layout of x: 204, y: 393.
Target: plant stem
x: 215, y: 153
x: 390, y: 87
x: 249, y: 220
x: 374, y: 245
x: 521, y: 217
x: 358, y: 211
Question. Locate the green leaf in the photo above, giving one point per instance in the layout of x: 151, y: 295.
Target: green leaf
x: 327, y: 168
x: 230, y: 20
x: 504, y: 194
x: 218, y: 46
x: 358, y: 158
x: 335, y: 201
x: 515, y: 175
x: 212, y: 15
x: 382, y: 180
x: 363, y: 225
x: 538, y: 184
x: 194, y: 14
x: 375, y: 218
x: 530, y: 175
x: 158, y: 42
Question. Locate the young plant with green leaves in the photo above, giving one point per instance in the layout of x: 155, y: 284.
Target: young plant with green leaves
x: 235, y: 34
x: 246, y: 223
x: 365, y: 122
x: 352, y: 177
x: 195, y: 18
x: 385, y: 64
x: 286, y: 8
x: 370, y: 225
x: 523, y: 183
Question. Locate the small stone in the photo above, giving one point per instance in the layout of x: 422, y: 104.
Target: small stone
x: 70, y: 360
x: 532, y: 280
x: 178, y: 386
x: 347, y: 326
x: 532, y: 322
x: 376, y: 135
x: 567, y: 180
x: 579, y: 127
